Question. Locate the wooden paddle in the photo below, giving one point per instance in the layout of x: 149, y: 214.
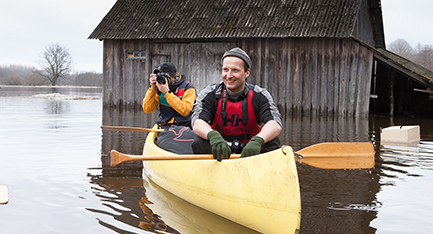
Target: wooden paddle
x: 339, y: 155
x: 130, y: 129
x: 330, y: 155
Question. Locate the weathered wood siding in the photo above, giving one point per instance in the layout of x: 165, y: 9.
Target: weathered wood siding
x: 313, y: 76
x: 308, y: 76
x: 126, y: 81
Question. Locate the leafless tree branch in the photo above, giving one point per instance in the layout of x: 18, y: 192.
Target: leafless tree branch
x: 56, y: 63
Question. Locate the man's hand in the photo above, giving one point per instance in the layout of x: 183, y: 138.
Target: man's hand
x: 152, y: 80
x: 219, y: 145
x: 163, y: 88
x: 253, y: 147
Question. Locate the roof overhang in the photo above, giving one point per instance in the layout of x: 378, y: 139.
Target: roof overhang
x: 408, y: 68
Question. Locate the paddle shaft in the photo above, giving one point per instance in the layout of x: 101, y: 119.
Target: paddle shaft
x: 118, y: 158
x: 130, y: 129
x: 330, y: 155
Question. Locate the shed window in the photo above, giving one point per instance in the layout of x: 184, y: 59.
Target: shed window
x: 136, y: 54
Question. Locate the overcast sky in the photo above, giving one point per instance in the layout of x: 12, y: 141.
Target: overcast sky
x: 28, y: 26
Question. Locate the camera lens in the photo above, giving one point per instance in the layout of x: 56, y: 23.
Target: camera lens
x: 160, y: 78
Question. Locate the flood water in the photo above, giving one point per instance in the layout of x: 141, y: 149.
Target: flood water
x: 54, y: 160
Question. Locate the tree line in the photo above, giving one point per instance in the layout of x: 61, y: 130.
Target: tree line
x: 420, y: 54
x: 26, y: 75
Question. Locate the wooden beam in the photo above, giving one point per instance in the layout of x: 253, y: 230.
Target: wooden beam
x: 423, y: 91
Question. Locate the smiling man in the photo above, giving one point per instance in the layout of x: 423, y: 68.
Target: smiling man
x: 233, y: 116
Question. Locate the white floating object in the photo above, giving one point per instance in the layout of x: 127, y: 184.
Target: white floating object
x: 4, y: 194
x: 407, y: 135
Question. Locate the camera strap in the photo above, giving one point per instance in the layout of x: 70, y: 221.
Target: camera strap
x: 223, y: 108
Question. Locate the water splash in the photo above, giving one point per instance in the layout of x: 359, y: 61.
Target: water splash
x: 365, y: 207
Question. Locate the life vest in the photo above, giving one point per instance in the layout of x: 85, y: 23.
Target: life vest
x: 236, y: 120
x: 167, y: 112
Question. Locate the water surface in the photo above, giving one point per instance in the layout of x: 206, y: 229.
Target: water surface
x: 53, y: 158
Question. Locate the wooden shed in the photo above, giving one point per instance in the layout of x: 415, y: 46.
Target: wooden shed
x: 314, y: 56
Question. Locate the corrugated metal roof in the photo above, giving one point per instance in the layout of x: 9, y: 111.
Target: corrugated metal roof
x: 202, y: 19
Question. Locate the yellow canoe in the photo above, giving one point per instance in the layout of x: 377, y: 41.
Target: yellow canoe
x: 259, y: 192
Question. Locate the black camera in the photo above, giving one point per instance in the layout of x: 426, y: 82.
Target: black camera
x: 160, y: 78
x: 236, y: 146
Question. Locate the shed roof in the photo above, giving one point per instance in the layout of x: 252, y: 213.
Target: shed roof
x: 203, y: 19
x: 412, y: 70
x: 421, y: 74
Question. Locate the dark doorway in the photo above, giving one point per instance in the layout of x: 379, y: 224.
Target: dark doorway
x: 406, y: 99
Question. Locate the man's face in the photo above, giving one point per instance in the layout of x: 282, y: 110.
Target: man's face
x: 234, y: 74
x: 171, y: 80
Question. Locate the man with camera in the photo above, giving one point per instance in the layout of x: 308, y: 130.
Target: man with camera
x: 233, y: 116
x: 173, y: 93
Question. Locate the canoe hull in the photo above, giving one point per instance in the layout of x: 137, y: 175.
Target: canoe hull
x: 260, y: 192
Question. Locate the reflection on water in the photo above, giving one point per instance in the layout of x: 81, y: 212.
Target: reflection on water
x: 119, y: 196
x: 188, y: 218
x: 142, y: 203
x: 303, y: 131
x: 127, y: 142
x: 55, y: 162
x: 419, y: 156
x: 56, y: 106
x: 324, y: 190
x: 405, y: 180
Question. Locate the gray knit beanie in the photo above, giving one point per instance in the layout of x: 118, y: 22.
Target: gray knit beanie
x: 238, y: 52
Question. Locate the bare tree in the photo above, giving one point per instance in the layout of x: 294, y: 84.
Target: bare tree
x: 424, y: 56
x: 402, y: 48
x: 56, y: 63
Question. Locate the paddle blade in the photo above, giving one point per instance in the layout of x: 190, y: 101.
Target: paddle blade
x: 130, y: 129
x: 118, y: 158
x: 339, y: 155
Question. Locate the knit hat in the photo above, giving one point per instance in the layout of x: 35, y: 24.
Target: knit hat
x: 238, y: 52
x: 166, y: 68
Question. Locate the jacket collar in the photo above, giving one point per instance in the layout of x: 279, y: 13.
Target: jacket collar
x: 221, y: 87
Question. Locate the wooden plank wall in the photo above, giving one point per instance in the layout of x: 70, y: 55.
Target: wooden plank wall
x: 126, y: 81
x: 305, y: 76
x: 199, y: 61
x: 313, y: 76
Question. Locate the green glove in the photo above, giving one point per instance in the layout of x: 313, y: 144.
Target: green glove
x: 219, y: 145
x: 253, y: 147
